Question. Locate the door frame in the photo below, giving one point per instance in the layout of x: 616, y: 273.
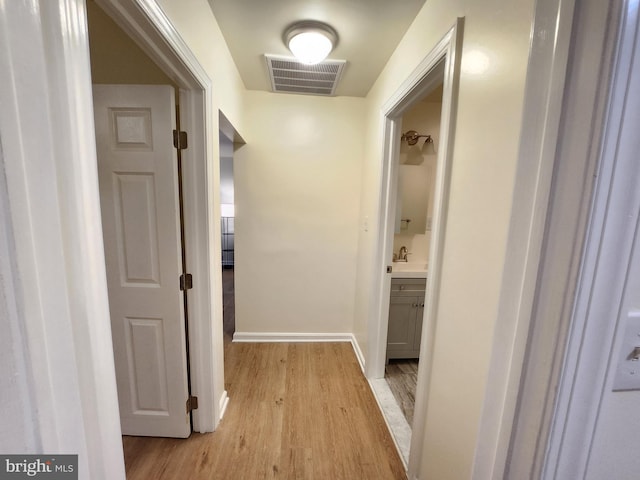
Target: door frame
x: 146, y: 24
x: 53, y: 252
x: 54, y: 262
x: 441, y: 65
x: 543, y: 101
x: 570, y: 390
x: 566, y: 95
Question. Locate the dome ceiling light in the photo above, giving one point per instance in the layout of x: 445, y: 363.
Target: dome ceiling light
x: 310, y: 42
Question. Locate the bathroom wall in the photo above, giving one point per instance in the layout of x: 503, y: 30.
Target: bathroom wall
x: 485, y: 152
x: 417, y: 171
x: 297, y: 193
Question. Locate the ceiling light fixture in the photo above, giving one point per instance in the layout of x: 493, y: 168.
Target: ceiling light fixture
x: 309, y: 41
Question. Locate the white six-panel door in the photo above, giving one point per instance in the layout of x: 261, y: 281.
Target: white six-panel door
x: 138, y: 176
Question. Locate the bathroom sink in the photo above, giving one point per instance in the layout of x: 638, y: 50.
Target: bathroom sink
x: 409, y: 267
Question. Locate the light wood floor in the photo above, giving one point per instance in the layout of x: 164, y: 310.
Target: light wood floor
x: 296, y: 411
x: 402, y: 376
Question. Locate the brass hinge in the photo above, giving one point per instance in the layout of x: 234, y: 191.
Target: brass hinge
x: 192, y: 403
x: 186, y: 281
x: 180, y: 139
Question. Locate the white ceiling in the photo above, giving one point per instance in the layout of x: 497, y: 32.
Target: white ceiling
x: 368, y: 30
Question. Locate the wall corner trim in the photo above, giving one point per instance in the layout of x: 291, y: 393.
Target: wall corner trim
x: 223, y: 403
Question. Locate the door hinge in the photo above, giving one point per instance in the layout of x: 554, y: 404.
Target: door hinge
x: 180, y: 139
x: 192, y: 403
x: 186, y: 281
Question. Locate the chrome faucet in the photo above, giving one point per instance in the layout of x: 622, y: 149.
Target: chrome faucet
x: 402, y: 254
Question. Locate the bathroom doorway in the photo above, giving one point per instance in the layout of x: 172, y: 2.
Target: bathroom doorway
x: 415, y: 187
x: 440, y: 69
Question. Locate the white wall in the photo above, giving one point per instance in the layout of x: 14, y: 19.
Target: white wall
x: 487, y: 132
x: 610, y: 331
x: 615, y: 446
x: 297, y: 193
x: 226, y: 171
x: 613, y: 453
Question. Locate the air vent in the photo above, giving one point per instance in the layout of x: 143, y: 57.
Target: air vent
x: 290, y: 76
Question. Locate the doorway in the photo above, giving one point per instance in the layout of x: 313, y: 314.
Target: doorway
x: 227, y: 238
x: 441, y: 67
x: 135, y: 107
x: 148, y: 29
x: 411, y: 242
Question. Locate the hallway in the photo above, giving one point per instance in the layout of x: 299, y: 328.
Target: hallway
x: 228, y: 307
x: 296, y: 411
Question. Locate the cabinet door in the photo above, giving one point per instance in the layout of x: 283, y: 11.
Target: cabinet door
x: 402, y: 325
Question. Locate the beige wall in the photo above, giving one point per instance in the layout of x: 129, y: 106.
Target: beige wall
x: 484, y: 160
x: 297, y: 192
x: 297, y: 187
x: 195, y: 22
x: 115, y: 58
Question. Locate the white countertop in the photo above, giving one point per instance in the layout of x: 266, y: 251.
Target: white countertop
x: 408, y: 270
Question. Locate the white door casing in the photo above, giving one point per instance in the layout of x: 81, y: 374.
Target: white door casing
x: 147, y: 24
x: 137, y: 167
x: 440, y: 65
x: 52, y: 182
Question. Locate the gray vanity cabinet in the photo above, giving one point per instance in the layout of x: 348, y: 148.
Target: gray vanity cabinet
x: 406, y: 308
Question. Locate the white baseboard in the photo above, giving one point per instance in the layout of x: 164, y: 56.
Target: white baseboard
x: 358, y: 352
x: 302, y: 337
x: 291, y: 337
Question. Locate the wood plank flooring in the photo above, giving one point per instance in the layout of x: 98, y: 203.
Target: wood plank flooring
x: 296, y: 411
x: 402, y: 376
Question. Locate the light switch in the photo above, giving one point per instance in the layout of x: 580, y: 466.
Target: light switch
x: 628, y: 371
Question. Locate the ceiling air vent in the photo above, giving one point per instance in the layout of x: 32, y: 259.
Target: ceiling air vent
x: 290, y: 76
